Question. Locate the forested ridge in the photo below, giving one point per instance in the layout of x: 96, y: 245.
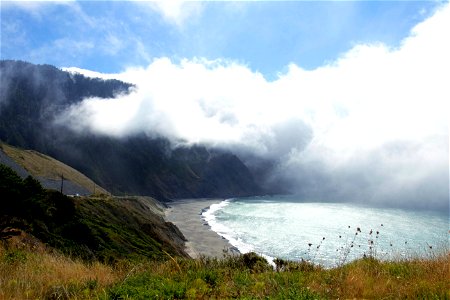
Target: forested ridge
x: 32, y: 96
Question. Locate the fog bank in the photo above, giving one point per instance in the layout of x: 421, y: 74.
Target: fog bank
x: 370, y: 127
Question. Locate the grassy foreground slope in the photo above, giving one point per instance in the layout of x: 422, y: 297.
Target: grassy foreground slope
x: 39, y: 274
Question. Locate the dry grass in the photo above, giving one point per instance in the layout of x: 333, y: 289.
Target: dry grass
x: 31, y: 272
x: 372, y: 279
x: 40, y: 165
x: 363, y: 279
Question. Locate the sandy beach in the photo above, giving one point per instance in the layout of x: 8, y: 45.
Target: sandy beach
x: 186, y: 215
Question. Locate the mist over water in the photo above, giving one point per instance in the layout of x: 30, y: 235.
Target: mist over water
x: 283, y: 227
x: 369, y: 127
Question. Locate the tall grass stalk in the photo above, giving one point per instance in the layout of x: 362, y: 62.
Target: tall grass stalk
x: 41, y: 274
x: 28, y: 274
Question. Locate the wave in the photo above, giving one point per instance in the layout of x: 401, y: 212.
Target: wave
x: 209, y: 216
x: 294, y: 230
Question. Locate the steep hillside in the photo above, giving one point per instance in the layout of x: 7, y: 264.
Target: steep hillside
x: 32, y: 96
x: 143, y: 166
x: 93, y: 228
x: 51, y: 173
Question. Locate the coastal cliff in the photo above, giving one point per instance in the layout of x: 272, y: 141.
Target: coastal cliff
x: 94, y: 228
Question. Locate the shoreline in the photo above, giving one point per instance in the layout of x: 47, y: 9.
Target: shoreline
x: 201, y: 239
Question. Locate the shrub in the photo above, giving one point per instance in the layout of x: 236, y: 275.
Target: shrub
x: 255, y: 263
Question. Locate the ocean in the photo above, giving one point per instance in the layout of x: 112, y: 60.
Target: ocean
x: 329, y: 234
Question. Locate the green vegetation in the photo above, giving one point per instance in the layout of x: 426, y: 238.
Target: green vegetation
x: 234, y: 277
x: 43, y: 274
x: 97, y: 228
x: 128, y: 227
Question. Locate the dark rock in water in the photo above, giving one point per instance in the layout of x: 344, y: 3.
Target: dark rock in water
x: 234, y: 250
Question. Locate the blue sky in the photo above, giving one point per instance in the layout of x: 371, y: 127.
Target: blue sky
x: 267, y: 36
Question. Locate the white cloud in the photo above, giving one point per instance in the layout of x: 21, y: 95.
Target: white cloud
x: 34, y: 7
x: 176, y: 12
x: 372, y: 125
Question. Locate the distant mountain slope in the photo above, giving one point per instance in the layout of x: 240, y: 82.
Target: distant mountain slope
x: 49, y: 171
x: 31, y: 96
